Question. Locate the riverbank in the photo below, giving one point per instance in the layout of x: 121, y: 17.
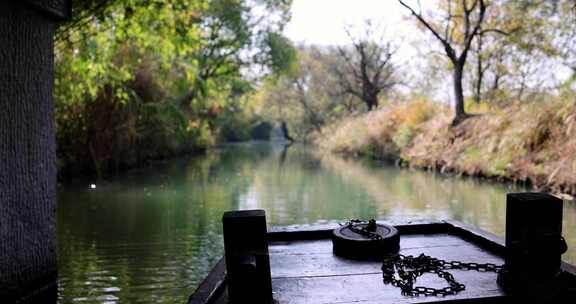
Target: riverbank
x: 530, y: 143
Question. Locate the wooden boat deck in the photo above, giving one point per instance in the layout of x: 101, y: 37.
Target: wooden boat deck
x: 304, y: 269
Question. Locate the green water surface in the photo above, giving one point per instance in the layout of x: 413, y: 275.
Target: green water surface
x: 151, y: 235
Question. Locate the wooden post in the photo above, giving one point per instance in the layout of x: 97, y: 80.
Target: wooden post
x: 247, y: 260
x: 534, y: 242
x: 28, y: 271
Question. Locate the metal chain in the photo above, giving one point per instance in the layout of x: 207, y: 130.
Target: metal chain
x: 402, y: 271
x: 365, y: 228
x: 409, y: 268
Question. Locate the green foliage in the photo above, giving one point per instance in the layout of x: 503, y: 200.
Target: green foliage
x: 306, y: 94
x: 141, y: 79
x: 282, y: 55
x: 138, y: 79
x: 403, y: 136
x: 235, y: 126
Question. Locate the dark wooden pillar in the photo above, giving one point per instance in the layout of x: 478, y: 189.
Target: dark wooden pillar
x: 534, y: 242
x: 247, y: 260
x: 27, y: 150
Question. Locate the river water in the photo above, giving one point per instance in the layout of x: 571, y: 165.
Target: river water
x: 151, y: 235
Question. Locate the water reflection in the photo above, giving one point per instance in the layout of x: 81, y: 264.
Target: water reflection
x: 151, y: 235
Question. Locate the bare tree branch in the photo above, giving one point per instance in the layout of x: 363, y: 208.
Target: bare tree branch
x: 475, y: 31
x: 366, y: 70
x: 447, y: 47
x: 470, y: 28
x: 497, y: 31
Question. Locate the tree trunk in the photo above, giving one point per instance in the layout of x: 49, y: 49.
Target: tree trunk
x: 458, y: 93
x: 27, y: 156
x: 369, y: 106
x: 372, y: 102
x: 479, y: 71
x: 285, y: 131
x: 375, y: 101
x: 478, y: 86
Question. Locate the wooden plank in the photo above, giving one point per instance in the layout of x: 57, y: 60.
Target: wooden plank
x: 491, y: 241
x: 571, y: 269
x: 436, y: 300
x: 324, y: 231
x: 429, y: 240
x: 212, y: 286
x: 290, y: 235
x: 221, y: 298
x: 477, y: 236
x: 370, y: 288
x: 322, y: 262
x: 325, y: 245
x: 423, y: 229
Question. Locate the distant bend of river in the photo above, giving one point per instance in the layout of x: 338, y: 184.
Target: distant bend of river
x: 151, y: 235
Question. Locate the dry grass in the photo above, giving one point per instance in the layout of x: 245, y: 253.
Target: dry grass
x: 534, y: 142
x: 380, y: 134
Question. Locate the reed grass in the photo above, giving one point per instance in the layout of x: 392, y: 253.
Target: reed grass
x: 530, y: 142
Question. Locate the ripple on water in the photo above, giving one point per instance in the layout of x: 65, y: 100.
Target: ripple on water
x: 153, y: 272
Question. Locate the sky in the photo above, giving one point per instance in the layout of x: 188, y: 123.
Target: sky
x: 323, y: 21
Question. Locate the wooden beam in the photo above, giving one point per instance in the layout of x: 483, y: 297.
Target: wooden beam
x: 60, y: 10
x: 247, y: 260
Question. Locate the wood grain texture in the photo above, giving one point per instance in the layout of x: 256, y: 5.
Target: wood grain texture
x: 27, y: 154
x: 308, y: 272
x: 56, y: 9
x: 211, y: 286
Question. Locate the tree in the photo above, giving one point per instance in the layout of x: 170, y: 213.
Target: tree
x: 230, y: 29
x: 531, y: 37
x: 464, y: 18
x: 162, y: 71
x: 299, y: 95
x: 367, y: 69
x: 493, y: 44
x: 306, y: 98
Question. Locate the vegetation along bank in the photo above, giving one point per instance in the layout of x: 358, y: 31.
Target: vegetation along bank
x: 137, y: 80
x: 494, y: 96
x: 532, y: 143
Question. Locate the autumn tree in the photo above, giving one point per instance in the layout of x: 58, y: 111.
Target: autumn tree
x: 456, y: 31
x: 301, y: 96
x: 308, y: 97
x: 517, y: 45
x: 367, y: 69
x: 484, y: 49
